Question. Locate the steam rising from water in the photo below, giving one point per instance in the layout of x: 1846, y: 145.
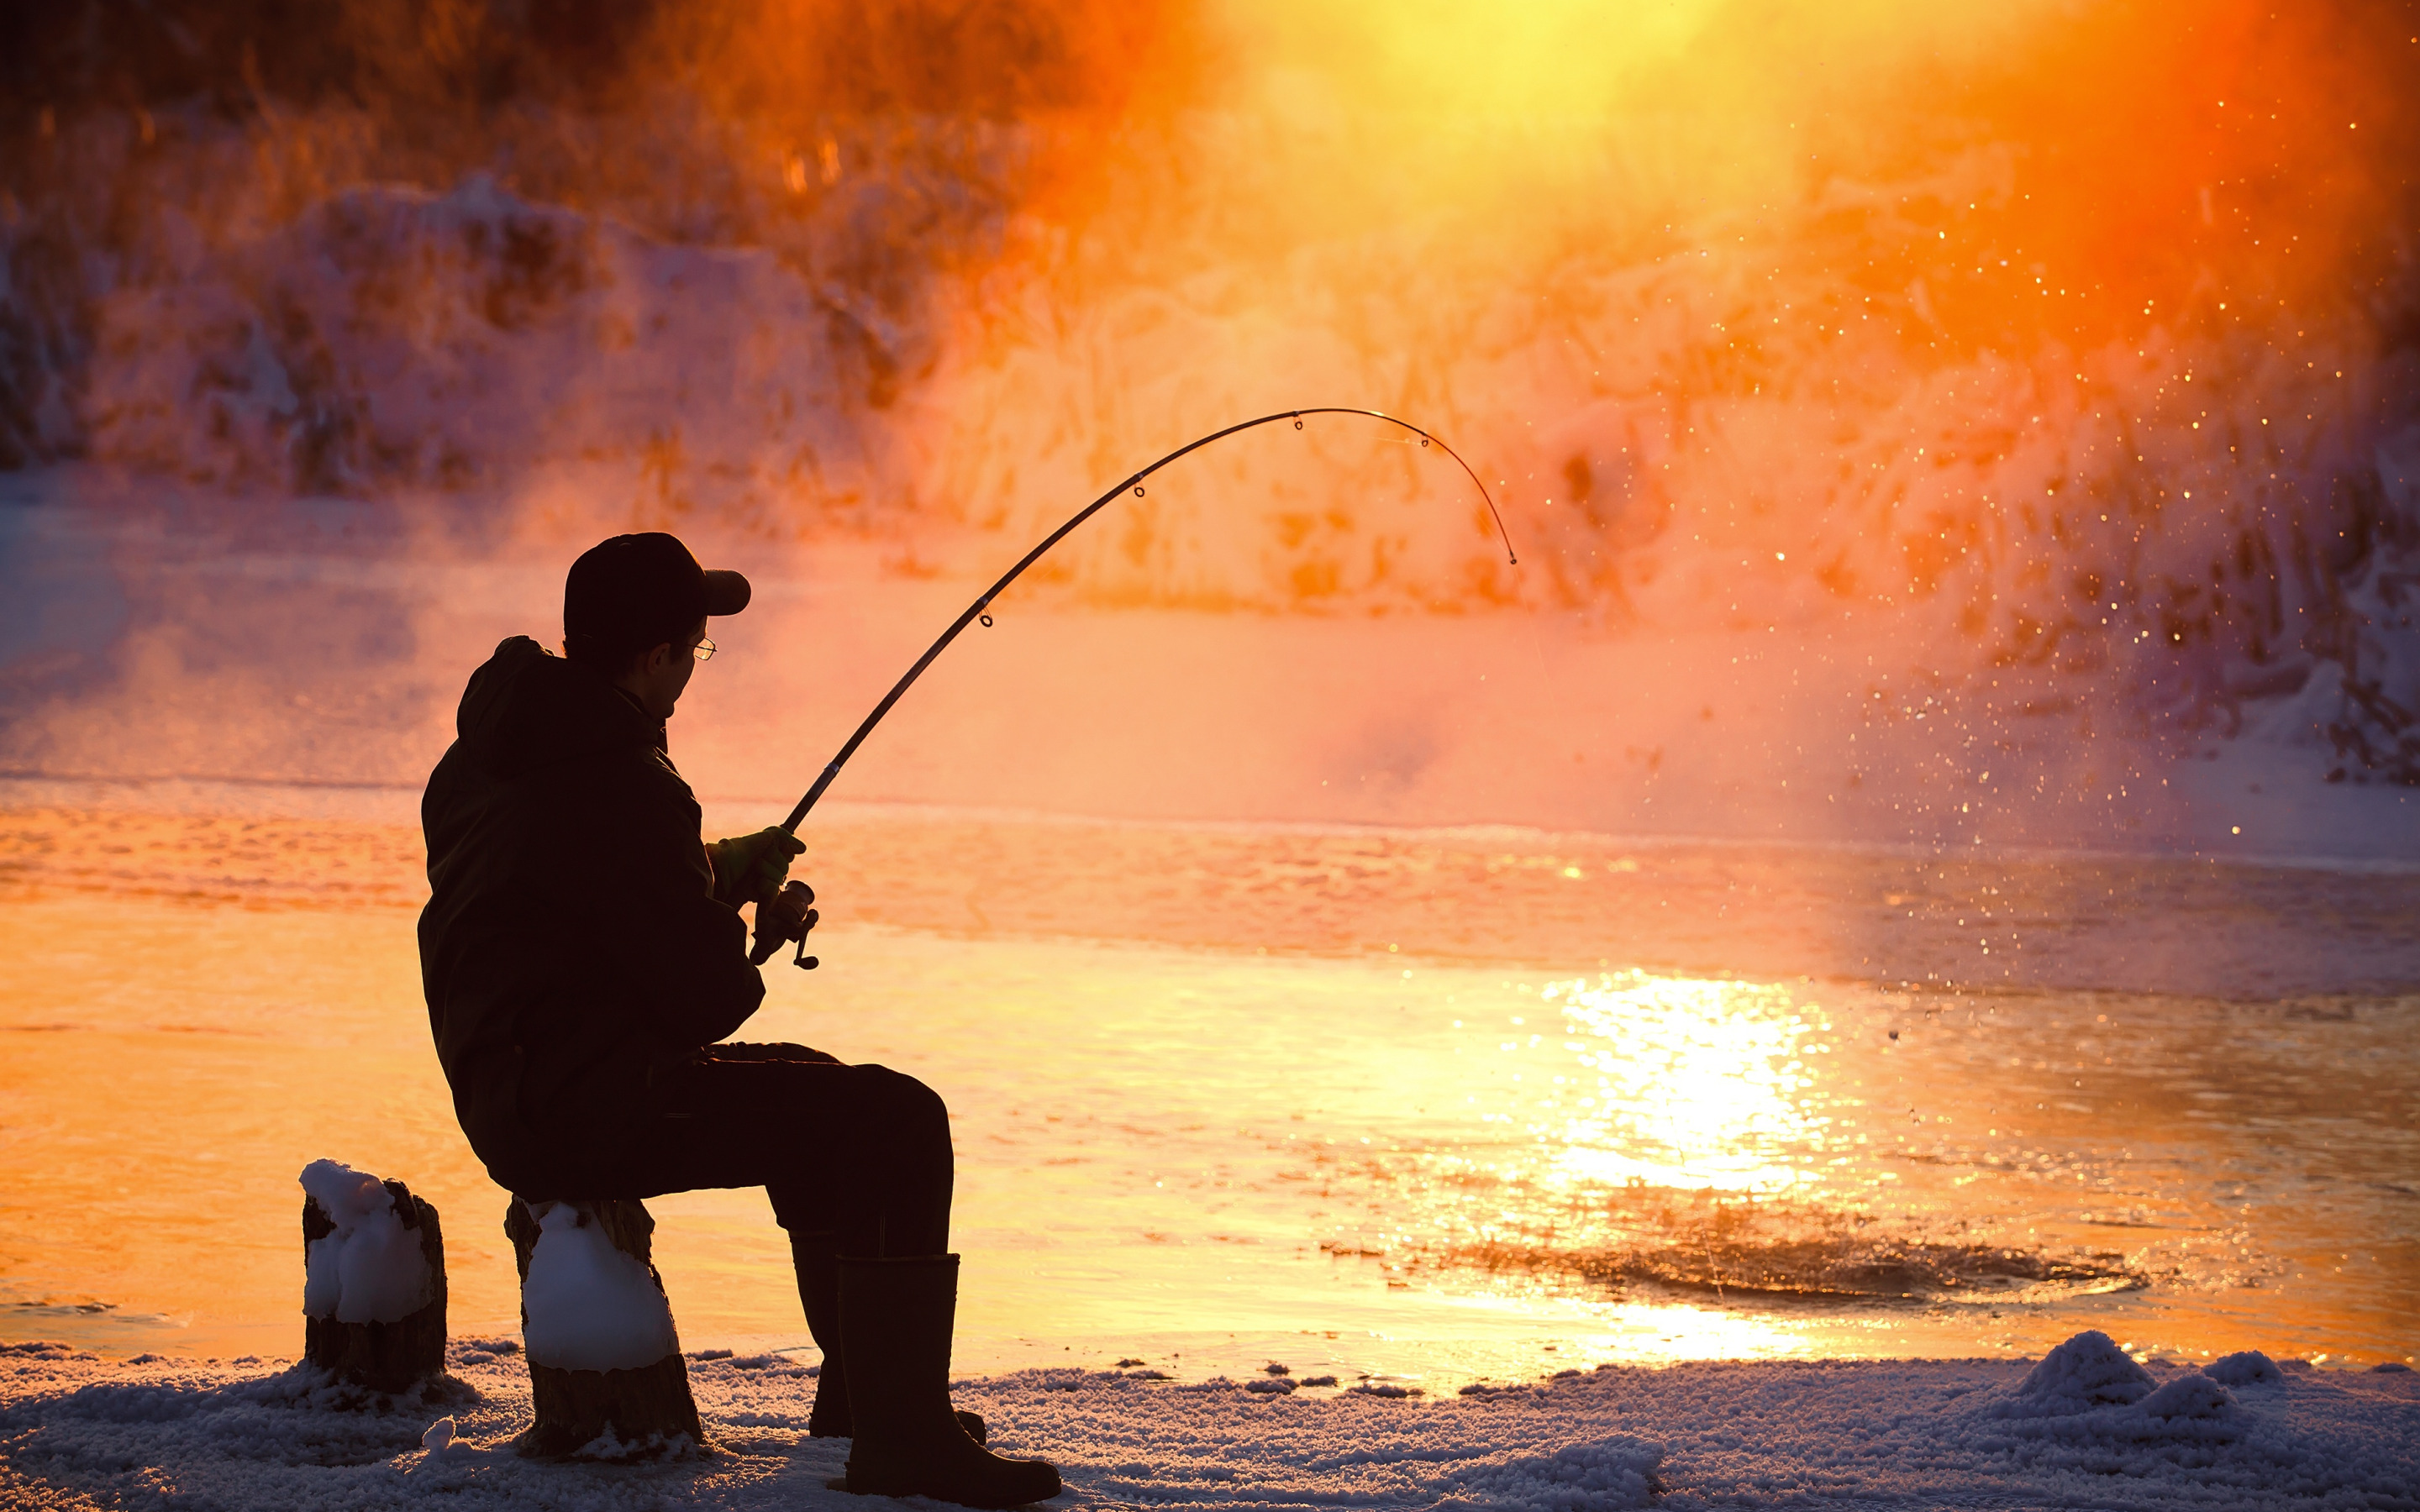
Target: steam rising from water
x: 2070, y: 352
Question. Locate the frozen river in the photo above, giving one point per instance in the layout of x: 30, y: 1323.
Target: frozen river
x: 1434, y: 1104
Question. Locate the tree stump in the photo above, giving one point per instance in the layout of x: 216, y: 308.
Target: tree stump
x: 391, y: 1337
x: 607, y: 1380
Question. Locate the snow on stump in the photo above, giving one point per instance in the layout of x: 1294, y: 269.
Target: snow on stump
x: 606, y: 1376
x: 373, y: 1279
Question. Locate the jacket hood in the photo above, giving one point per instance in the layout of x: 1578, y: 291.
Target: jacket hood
x: 525, y: 709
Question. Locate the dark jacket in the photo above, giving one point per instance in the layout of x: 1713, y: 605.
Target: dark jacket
x: 571, y: 943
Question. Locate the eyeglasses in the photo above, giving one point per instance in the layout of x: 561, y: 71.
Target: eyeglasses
x: 704, y: 650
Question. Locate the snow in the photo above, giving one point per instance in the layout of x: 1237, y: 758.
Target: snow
x: 2245, y: 1367
x: 588, y: 1307
x: 77, y: 1430
x: 371, y: 1270
x: 2086, y: 1372
x: 504, y: 335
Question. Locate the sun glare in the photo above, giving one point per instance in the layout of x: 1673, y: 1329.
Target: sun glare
x: 1697, y: 1084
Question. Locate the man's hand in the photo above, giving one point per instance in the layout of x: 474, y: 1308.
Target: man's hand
x: 749, y: 869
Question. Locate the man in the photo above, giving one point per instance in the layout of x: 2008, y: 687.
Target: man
x: 583, y: 955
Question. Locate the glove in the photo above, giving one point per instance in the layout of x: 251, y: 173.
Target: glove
x: 750, y: 867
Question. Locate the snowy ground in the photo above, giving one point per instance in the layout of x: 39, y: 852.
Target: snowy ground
x: 2085, y: 1427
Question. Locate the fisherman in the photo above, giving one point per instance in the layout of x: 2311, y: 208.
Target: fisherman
x: 584, y: 958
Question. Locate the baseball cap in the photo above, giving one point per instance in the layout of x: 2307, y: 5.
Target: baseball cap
x: 635, y: 592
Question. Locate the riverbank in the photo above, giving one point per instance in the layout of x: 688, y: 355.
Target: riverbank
x: 76, y: 1429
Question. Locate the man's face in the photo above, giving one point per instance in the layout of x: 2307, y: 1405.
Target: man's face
x: 658, y: 681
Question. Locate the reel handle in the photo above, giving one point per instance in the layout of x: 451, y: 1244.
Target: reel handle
x: 770, y: 934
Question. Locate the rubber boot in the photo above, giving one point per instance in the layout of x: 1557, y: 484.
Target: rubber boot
x: 818, y: 1267
x: 896, y: 1317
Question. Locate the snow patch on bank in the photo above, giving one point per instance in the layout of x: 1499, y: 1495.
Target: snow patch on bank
x: 1831, y: 1434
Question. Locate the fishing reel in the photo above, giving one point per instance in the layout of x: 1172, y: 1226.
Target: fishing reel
x: 773, y: 931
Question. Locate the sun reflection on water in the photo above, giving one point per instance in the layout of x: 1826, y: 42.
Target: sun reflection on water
x: 1687, y: 1083
x: 1639, y: 1129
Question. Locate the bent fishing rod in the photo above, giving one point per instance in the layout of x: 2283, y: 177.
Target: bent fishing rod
x: 770, y: 935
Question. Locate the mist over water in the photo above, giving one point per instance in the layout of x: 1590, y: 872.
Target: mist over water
x: 2050, y: 378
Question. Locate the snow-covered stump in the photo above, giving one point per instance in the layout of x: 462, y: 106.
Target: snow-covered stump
x: 373, y: 1279
x: 606, y: 1376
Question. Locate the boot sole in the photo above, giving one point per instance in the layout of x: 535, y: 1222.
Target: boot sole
x: 906, y: 1486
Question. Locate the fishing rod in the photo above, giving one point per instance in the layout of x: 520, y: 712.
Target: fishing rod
x: 770, y: 935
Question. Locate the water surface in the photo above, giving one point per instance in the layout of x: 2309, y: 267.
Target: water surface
x: 1305, y: 1140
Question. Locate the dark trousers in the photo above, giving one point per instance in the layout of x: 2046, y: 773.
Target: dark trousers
x: 854, y: 1156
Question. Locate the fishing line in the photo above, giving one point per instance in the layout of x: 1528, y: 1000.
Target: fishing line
x: 980, y: 609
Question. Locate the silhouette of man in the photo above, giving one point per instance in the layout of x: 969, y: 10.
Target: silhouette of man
x: 583, y: 955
